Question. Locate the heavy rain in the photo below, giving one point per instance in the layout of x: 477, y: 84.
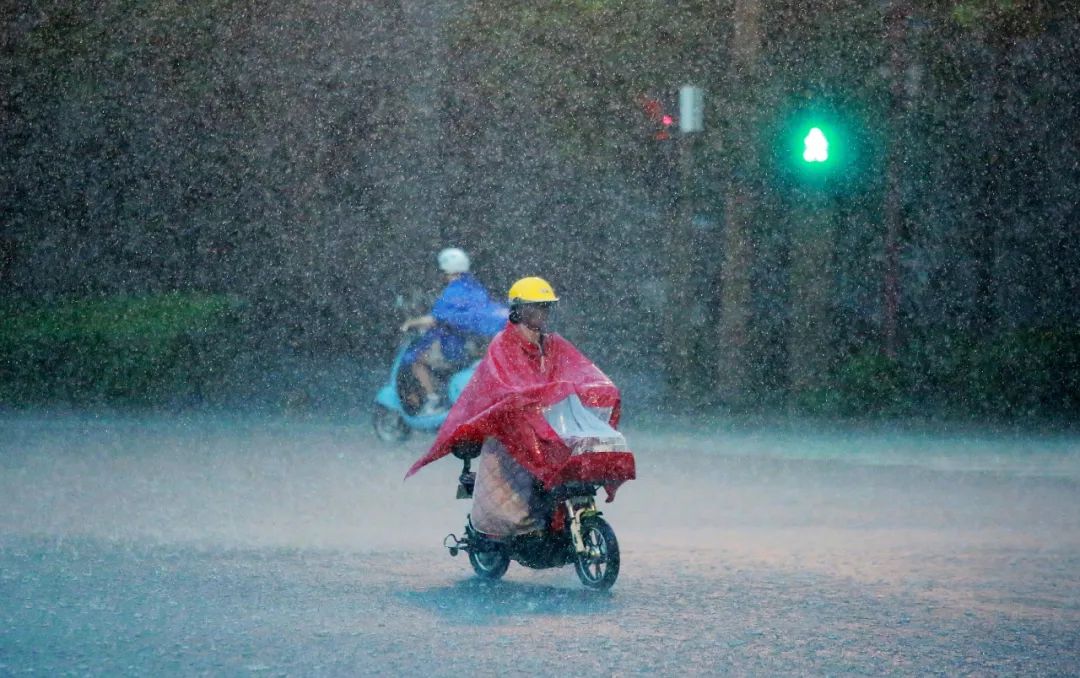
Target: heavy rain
x: 798, y: 280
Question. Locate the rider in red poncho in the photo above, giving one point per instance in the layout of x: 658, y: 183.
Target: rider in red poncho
x: 526, y: 371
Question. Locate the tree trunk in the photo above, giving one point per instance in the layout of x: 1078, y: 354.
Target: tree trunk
x: 897, y: 19
x: 736, y: 377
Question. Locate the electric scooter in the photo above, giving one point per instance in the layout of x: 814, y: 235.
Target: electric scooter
x: 576, y: 532
x: 399, y: 399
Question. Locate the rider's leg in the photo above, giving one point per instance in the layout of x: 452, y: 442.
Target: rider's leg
x: 503, y: 504
x: 423, y: 375
x: 421, y: 369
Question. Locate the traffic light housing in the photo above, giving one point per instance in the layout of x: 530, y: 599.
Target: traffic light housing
x: 817, y: 148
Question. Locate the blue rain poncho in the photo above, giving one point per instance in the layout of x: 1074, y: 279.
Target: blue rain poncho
x: 463, y: 309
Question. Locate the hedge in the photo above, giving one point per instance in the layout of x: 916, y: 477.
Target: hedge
x: 150, y: 349
x: 1023, y: 373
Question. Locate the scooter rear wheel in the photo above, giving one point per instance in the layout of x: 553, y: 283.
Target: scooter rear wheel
x: 489, y: 564
x: 390, y: 426
x: 599, y: 568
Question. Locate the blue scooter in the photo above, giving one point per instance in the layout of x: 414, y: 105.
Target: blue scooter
x: 396, y: 413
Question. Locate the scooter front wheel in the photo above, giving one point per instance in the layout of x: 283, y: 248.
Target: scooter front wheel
x: 598, y: 568
x: 390, y: 426
x: 489, y: 564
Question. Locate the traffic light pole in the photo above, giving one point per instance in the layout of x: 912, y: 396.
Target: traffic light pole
x: 810, y: 345
x: 684, y: 371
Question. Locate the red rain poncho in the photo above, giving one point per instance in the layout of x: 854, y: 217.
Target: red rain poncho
x: 505, y: 399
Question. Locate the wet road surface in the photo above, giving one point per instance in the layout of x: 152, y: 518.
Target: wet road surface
x: 210, y: 545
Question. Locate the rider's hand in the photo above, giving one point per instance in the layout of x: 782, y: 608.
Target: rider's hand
x: 423, y: 322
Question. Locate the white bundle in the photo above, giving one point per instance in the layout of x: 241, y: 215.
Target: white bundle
x: 584, y: 429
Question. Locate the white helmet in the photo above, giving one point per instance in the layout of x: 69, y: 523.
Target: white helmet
x: 453, y: 260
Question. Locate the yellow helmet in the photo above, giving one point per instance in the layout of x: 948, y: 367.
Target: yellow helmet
x: 531, y: 290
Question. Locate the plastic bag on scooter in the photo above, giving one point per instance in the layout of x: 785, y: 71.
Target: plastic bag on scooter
x: 584, y: 429
x: 598, y: 452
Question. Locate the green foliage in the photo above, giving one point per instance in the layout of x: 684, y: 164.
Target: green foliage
x: 868, y: 382
x: 120, y: 350
x: 206, y: 145
x: 1007, y: 18
x: 873, y: 380
x: 1025, y: 373
x: 1020, y: 374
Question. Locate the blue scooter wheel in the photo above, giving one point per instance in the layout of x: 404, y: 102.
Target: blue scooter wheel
x: 390, y: 425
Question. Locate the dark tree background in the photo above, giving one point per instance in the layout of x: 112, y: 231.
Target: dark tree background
x: 310, y: 158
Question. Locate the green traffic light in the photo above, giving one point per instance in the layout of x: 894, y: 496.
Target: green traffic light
x: 816, y: 146
x: 819, y: 149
